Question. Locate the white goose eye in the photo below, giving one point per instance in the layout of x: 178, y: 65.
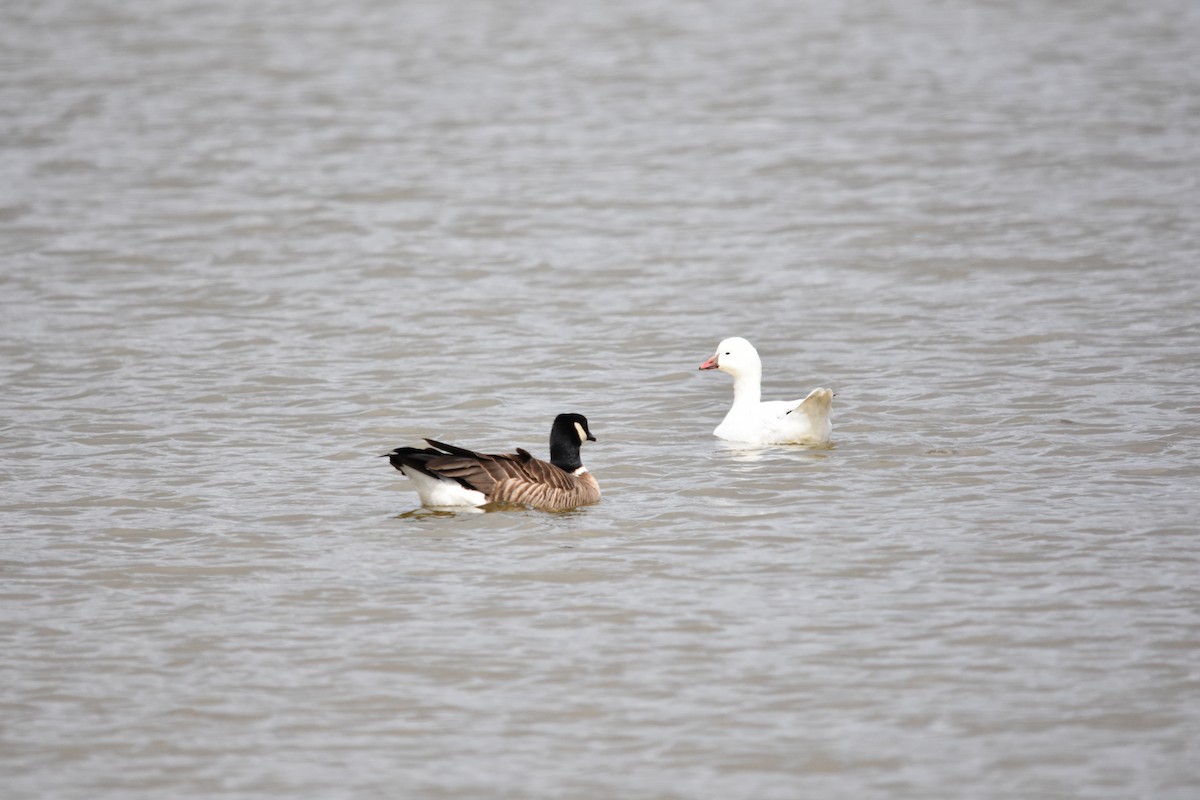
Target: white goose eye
x: 582, y: 433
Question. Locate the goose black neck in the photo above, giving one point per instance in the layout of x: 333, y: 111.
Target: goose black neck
x: 564, y: 449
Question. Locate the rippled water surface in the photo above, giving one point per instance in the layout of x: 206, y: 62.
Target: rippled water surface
x: 246, y: 248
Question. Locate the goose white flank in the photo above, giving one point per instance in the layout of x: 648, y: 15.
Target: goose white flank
x: 753, y: 420
x: 446, y: 476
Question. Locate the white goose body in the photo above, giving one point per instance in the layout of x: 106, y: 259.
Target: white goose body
x: 446, y: 476
x: 750, y: 419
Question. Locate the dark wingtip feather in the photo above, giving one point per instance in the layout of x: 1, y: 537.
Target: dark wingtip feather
x: 416, y: 457
x: 454, y: 450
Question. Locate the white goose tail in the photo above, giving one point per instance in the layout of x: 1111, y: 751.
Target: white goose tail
x: 815, y: 408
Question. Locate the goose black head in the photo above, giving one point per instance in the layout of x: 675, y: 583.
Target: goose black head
x: 566, y: 435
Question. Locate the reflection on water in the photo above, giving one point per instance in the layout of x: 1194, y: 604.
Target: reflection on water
x: 248, y: 248
x: 742, y: 451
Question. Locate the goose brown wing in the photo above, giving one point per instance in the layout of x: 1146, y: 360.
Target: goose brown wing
x: 484, y: 471
x: 545, y: 486
x: 543, y: 473
x: 474, y: 470
x: 513, y: 477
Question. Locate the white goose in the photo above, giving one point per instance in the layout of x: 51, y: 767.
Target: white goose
x: 447, y: 476
x: 771, y: 422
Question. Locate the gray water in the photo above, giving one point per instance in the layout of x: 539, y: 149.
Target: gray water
x: 248, y: 247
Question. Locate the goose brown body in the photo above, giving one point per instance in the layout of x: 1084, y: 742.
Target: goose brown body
x: 559, y: 484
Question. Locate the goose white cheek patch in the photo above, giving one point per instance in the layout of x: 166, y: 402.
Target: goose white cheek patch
x: 582, y: 433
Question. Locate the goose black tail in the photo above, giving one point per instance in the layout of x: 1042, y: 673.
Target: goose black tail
x: 417, y: 458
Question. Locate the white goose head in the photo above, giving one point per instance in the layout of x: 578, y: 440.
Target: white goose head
x: 736, y: 356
